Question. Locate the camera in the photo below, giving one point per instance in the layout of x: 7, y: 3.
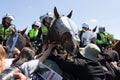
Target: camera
x: 7, y: 74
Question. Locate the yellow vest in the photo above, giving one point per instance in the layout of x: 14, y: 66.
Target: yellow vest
x: 33, y: 33
x: 5, y: 33
x: 44, y: 29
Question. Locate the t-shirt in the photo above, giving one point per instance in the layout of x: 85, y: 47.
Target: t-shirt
x: 8, y: 62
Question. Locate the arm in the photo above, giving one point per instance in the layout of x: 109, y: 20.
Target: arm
x: 70, y: 65
x: 115, y: 64
x: 47, y: 52
x: 12, y: 28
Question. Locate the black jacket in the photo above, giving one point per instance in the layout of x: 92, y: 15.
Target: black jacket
x: 80, y: 69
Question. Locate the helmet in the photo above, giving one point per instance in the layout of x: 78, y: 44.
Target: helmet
x: 46, y: 16
x: 84, y: 25
x: 49, y: 14
x: 101, y: 29
x: 37, y: 23
x: 9, y: 16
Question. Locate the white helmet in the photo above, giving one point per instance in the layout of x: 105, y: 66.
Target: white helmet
x: 49, y: 14
x: 37, y: 23
x: 46, y: 16
x: 84, y: 25
x: 9, y: 16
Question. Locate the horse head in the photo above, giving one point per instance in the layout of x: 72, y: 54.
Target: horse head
x: 19, y: 40
x: 64, y: 31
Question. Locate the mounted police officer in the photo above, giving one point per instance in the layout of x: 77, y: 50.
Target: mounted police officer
x: 45, y: 20
x: 33, y: 33
x: 102, y: 38
x: 6, y: 28
x: 45, y: 25
x: 85, y: 28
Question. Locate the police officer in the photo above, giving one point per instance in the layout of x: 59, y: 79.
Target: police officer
x: 6, y: 28
x: 45, y: 25
x: 102, y: 38
x: 85, y: 28
x: 33, y: 33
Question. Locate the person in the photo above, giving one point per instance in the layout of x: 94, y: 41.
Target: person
x: 25, y: 55
x: 86, y: 66
x: 102, y: 38
x: 27, y: 68
x: 45, y: 25
x: 3, y: 56
x: 85, y: 27
x: 46, y: 21
x: 20, y: 76
x: 86, y: 36
x: 8, y: 64
x: 113, y: 60
x: 16, y: 52
x: 6, y: 28
x: 33, y: 33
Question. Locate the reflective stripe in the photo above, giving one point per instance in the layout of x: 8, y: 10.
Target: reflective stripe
x: 44, y: 29
x: 5, y: 33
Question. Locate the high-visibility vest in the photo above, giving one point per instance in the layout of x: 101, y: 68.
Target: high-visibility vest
x: 104, y: 39
x: 44, y: 29
x: 5, y: 33
x: 33, y: 33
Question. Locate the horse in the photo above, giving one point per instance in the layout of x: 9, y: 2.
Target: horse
x: 19, y: 40
x: 64, y: 31
x: 116, y: 47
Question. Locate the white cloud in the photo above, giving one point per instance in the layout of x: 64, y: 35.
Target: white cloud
x: 93, y: 21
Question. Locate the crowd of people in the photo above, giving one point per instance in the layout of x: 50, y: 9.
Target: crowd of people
x: 95, y: 59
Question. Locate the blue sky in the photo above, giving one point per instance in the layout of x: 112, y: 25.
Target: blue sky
x: 94, y: 12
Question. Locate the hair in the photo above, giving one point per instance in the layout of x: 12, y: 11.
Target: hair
x: 25, y: 55
x: 3, y: 21
x: 3, y: 53
x: 1, y: 64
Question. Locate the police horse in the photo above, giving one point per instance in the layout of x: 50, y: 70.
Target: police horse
x: 63, y: 31
x: 19, y: 40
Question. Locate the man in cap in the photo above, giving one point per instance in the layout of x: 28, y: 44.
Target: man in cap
x: 6, y: 28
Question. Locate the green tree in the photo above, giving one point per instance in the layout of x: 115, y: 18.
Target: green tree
x: 111, y: 37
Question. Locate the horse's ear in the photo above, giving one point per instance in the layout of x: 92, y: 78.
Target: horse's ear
x: 23, y: 31
x: 94, y: 29
x: 70, y: 14
x: 56, y: 13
